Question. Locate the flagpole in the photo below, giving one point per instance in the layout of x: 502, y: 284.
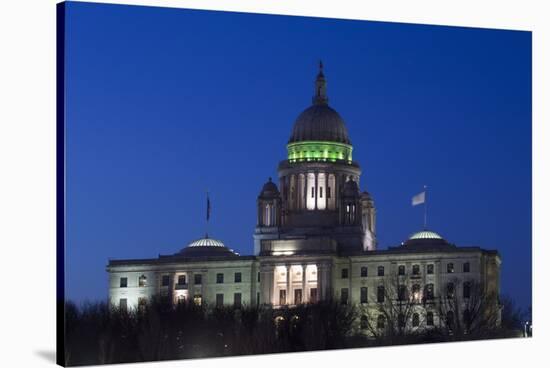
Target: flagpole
x: 207, y: 213
x: 425, y: 207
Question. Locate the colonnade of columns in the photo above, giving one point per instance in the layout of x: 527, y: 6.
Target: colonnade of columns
x: 312, y: 284
x: 312, y: 190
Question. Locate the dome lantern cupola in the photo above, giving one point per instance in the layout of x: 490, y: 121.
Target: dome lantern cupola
x: 320, y: 94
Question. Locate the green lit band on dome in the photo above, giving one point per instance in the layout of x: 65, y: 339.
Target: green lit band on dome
x: 319, y: 151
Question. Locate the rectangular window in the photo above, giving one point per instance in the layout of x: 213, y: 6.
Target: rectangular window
x: 364, y: 271
x: 258, y: 277
x: 197, y: 299
x: 219, y: 300
x: 430, y: 291
x: 380, y: 295
x: 312, y: 192
x: 401, y: 270
x: 344, y: 294
x: 142, y: 281
x: 123, y: 282
x: 328, y: 192
x: 313, y: 295
x: 123, y: 304
x: 450, y: 268
x: 142, y: 303
x: 320, y: 192
x: 364, y: 295
x: 380, y: 270
x: 416, y: 292
x: 165, y: 280
x: 198, y: 279
x: 238, y: 277
x: 466, y: 267
x: 219, y: 278
x: 402, y: 292
x: 182, y: 280
x: 282, y: 297
x: 257, y: 298
x: 297, y: 296
x: 416, y: 270
x: 450, y: 290
x: 344, y: 273
x: 430, y: 269
x: 237, y: 300
x: 430, y: 319
x: 466, y: 290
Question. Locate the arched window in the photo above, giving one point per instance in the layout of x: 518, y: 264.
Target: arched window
x: 416, y: 320
x: 364, y: 322
x: 381, y: 322
x: 267, y: 215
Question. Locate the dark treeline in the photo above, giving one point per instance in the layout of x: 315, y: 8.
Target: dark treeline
x: 99, y: 334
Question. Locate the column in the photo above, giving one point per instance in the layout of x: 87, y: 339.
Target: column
x: 171, y: 288
x: 327, y: 282
x: 305, y: 296
x: 266, y: 284
x: 190, y: 286
x: 321, y: 281
x: 288, y: 292
x: 316, y: 187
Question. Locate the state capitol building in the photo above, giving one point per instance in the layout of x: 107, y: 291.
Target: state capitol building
x: 315, y: 240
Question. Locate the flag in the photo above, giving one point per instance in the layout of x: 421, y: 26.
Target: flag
x: 419, y: 198
x: 207, y: 207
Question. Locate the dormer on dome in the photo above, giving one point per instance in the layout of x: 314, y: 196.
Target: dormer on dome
x: 269, y: 190
x: 269, y: 206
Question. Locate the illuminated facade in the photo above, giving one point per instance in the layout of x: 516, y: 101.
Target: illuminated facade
x: 315, y: 240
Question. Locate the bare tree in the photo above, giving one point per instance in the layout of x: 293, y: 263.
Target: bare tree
x: 475, y: 313
x: 397, y: 311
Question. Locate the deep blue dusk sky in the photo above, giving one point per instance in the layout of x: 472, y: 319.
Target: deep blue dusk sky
x: 163, y: 104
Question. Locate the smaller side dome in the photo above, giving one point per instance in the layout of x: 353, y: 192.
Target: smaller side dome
x: 425, y: 234
x: 269, y: 190
x: 206, y: 247
x: 206, y: 242
x: 427, y: 239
